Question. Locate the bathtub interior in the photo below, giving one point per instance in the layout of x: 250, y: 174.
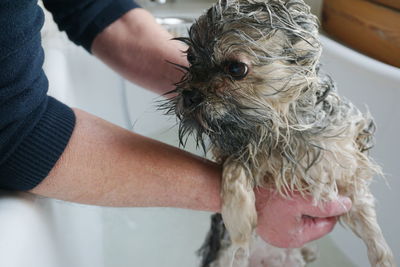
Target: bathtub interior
x: 120, y: 237
x: 374, y: 87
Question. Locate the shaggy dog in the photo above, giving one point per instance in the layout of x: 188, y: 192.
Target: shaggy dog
x: 255, y: 91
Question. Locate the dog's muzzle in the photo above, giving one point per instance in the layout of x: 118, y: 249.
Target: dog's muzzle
x: 191, y: 98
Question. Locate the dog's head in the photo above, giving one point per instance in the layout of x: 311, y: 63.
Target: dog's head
x: 250, y: 63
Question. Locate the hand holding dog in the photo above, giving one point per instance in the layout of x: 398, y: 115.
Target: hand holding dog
x: 291, y: 223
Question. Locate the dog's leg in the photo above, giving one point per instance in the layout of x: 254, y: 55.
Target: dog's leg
x: 362, y: 220
x: 238, y: 208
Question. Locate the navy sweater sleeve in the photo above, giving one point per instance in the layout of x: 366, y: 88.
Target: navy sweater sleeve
x: 82, y: 20
x: 35, y: 128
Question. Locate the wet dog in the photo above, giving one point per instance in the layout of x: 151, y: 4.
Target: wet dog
x: 254, y: 89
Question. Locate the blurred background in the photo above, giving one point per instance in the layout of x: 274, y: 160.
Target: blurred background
x: 52, y: 233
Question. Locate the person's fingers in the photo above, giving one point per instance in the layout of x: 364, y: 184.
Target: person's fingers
x: 319, y: 228
x: 313, y: 229
x: 328, y: 209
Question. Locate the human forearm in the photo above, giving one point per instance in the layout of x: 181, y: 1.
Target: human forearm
x: 139, y: 48
x: 109, y: 166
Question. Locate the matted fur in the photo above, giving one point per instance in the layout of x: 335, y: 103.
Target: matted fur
x: 284, y: 119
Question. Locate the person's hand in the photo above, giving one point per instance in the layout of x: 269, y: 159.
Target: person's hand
x: 290, y: 223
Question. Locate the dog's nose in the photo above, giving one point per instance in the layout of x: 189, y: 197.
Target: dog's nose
x: 191, y: 98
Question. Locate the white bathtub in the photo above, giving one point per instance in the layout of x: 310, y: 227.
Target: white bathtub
x: 84, y: 236
x: 368, y: 82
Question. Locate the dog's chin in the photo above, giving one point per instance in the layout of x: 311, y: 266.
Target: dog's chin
x: 196, y: 120
x: 192, y: 125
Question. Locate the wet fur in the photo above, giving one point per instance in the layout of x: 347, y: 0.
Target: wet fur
x: 285, y: 119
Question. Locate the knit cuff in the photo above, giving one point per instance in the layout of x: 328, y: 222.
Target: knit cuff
x: 106, y: 17
x: 33, y: 159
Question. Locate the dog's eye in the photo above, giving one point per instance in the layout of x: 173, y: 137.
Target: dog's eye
x: 238, y: 70
x: 190, y: 57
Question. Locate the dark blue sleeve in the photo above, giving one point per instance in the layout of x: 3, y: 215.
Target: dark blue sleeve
x: 34, y: 128
x: 82, y: 20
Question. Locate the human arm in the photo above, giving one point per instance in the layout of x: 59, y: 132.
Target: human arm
x: 122, y: 46
x: 106, y: 165
x: 141, y: 50
x: 134, y: 45
x: 35, y: 128
x: 86, y: 174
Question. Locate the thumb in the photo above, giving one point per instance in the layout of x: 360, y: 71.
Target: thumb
x: 316, y: 228
x: 328, y: 209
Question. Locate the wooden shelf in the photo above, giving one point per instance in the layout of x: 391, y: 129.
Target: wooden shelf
x: 365, y: 26
x: 389, y: 3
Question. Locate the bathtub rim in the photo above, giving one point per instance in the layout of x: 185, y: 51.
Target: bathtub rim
x: 365, y: 62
